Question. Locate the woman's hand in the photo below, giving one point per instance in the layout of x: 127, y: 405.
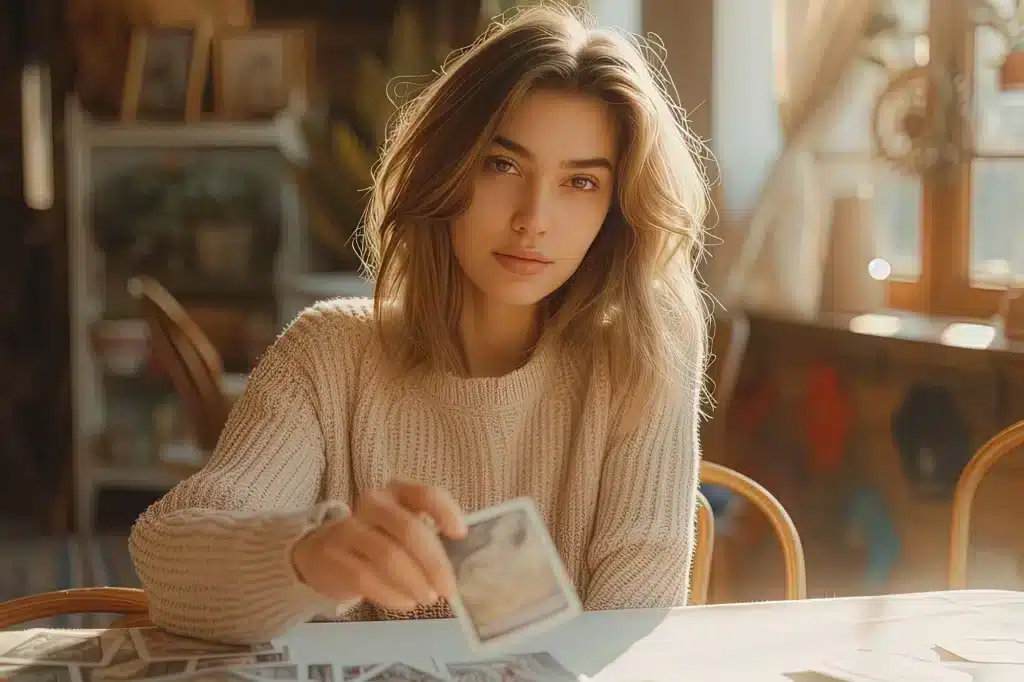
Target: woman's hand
x: 385, y: 551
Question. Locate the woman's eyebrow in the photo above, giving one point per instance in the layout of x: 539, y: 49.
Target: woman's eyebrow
x: 522, y: 150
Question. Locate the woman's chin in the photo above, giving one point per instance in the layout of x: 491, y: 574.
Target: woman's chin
x: 516, y: 294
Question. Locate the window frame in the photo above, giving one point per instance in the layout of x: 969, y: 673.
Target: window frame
x: 944, y: 287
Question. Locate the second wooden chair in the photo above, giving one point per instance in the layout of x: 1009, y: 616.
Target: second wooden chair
x: 188, y: 356
x: 1002, y: 444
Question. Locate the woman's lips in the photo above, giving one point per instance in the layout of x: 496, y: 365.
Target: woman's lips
x: 521, y: 265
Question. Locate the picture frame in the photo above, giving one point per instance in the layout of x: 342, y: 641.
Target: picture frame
x: 257, y: 73
x: 166, y: 73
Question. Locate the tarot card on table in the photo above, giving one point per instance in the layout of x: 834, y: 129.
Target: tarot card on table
x: 320, y: 672
x: 251, y: 661
x: 127, y: 666
x: 35, y: 673
x: 68, y: 647
x: 278, y: 672
x: 510, y: 581
x: 399, y: 672
x: 538, y: 667
x: 215, y: 676
x: 154, y: 644
x: 351, y: 672
x: 270, y: 672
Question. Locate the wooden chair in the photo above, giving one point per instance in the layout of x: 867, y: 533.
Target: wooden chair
x: 191, y: 360
x: 789, y: 539
x: 700, y: 579
x: 1003, y: 443
x: 128, y: 601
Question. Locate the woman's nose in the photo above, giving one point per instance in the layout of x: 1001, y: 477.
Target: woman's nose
x: 533, y: 213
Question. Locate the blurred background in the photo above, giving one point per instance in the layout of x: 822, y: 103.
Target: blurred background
x: 181, y: 177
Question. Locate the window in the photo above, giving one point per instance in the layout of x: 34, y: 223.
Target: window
x: 847, y: 152
x: 997, y: 169
x: 953, y: 243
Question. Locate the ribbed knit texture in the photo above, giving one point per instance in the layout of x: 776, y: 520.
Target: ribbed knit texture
x: 321, y: 422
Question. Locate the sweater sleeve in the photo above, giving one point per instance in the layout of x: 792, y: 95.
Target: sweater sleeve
x: 643, y: 540
x: 214, y: 555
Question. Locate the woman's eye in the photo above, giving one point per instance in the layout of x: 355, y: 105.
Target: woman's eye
x: 500, y: 164
x: 583, y: 183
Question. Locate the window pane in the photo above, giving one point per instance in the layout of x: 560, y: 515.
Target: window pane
x: 851, y: 130
x: 897, y: 209
x: 997, y: 220
x: 999, y: 125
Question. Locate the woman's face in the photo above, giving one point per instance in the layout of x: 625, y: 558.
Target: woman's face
x: 540, y: 197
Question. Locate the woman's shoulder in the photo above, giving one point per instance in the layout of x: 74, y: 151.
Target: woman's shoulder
x: 330, y: 328
x: 354, y: 315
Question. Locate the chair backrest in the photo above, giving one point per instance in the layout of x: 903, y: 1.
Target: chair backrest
x: 120, y: 600
x: 188, y: 356
x: 700, y: 579
x: 789, y: 539
x: 1002, y: 444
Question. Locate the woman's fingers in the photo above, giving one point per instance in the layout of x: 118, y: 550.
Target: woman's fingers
x: 368, y: 584
x: 390, y: 560
x: 435, y: 502
x: 416, y: 537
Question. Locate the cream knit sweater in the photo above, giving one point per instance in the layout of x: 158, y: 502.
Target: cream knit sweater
x: 320, y: 423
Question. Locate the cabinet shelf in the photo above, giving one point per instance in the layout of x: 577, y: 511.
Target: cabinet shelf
x: 129, y: 409
x: 210, y: 133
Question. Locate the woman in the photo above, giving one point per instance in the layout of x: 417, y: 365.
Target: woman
x: 537, y: 329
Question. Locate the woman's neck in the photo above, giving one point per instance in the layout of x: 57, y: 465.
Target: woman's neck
x: 496, y: 338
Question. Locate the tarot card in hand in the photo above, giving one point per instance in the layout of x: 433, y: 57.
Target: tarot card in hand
x: 510, y: 581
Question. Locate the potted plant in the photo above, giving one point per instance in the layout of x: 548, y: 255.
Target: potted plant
x: 127, y: 214
x: 223, y: 209
x: 335, y: 151
x: 1011, y: 29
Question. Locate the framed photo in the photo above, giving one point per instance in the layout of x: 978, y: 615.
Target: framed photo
x: 257, y: 72
x: 166, y: 73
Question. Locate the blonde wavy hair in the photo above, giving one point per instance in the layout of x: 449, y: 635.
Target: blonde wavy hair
x: 637, y: 289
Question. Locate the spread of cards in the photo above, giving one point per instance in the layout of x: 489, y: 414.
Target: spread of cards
x: 511, y: 586
x: 149, y: 654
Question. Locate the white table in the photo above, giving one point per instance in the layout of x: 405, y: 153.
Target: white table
x: 749, y: 642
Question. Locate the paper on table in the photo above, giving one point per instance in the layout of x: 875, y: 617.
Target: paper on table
x: 875, y: 666
x: 1008, y: 615
x: 985, y: 649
